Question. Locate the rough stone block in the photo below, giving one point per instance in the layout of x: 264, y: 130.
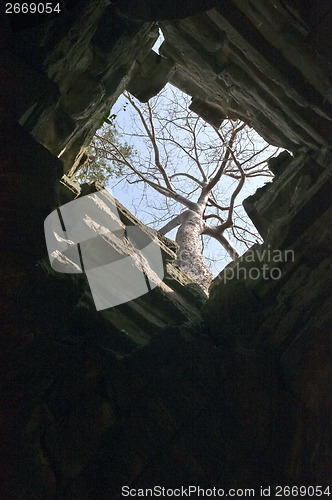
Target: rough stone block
x: 110, y: 29
x: 28, y: 171
x: 24, y: 90
x: 209, y: 111
x: 54, y: 129
x: 83, y: 97
x: 150, y: 77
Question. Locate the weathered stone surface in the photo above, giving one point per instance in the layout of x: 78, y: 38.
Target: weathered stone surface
x: 150, y: 77
x: 289, y: 201
x: 278, y: 164
x: 173, y: 301
x: 26, y: 197
x: 88, y: 55
x: 157, y: 10
x: 221, y: 57
x: 286, y: 311
x: 209, y: 111
x: 28, y: 95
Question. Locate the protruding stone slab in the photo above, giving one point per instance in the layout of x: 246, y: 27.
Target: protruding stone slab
x: 209, y: 111
x: 151, y: 76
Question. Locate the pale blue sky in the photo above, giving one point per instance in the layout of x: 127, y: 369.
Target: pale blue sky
x: 131, y: 195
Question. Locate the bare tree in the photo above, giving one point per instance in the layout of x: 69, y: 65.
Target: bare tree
x: 197, y: 169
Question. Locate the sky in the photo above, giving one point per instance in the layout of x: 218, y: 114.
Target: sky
x: 131, y: 195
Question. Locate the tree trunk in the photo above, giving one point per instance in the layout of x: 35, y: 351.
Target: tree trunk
x: 189, y: 257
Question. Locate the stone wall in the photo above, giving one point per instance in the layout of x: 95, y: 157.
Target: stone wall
x: 271, y: 77
x: 151, y: 392
x: 75, y: 67
x: 284, y: 314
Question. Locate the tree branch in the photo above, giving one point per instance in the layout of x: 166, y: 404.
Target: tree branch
x: 184, y: 174
x: 217, y: 233
x: 173, y: 223
x: 152, y: 137
x: 224, y: 162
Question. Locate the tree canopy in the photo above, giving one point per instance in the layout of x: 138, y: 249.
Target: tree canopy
x: 100, y: 166
x: 196, y: 172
